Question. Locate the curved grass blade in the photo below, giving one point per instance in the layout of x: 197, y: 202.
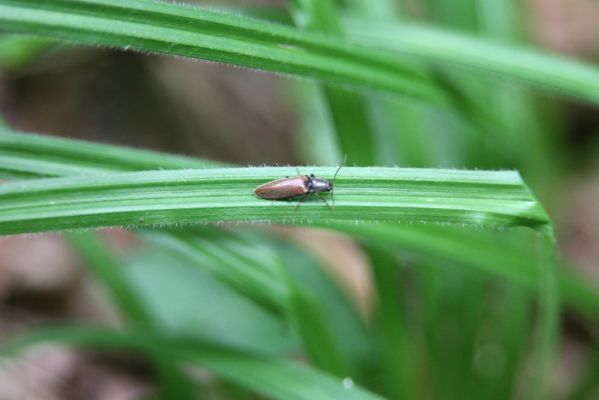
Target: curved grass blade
x: 105, y: 268
x: 272, y: 377
x: 217, y: 36
x: 479, y: 250
x: 254, y: 272
x: 392, y: 336
x: 258, y: 270
x: 447, y: 49
x: 26, y: 155
x: 165, y: 198
x: 18, y: 51
x: 173, y: 382
x: 347, y: 110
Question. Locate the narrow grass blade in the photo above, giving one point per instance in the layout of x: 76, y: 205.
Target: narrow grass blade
x: 259, y: 271
x: 443, y: 48
x: 479, y: 250
x: 586, y: 384
x: 108, y: 270
x: 253, y: 270
x: 187, y: 299
x: 152, y: 26
x: 347, y: 109
x: 548, y: 329
x: 16, y: 51
x: 392, y: 334
x: 25, y: 155
x: 173, y: 383
x: 310, y: 323
x: 275, y: 378
x: 151, y: 198
x: 343, y: 338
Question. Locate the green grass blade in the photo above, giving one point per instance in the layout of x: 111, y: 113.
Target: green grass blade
x: 347, y: 109
x: 556, y: 74
x: 481, y: 198
x: 393, y: 336
x: 344, y: 336
x: 548, y: 329
x: 173, y: 383
x: 257, y: 271
x: 315, y: 137
x: 186, y: 299
x: 108, y: 270
x: 25, y: 155
x: 310, y: 323
x: 272, y: 377
x: 542, y: 280
x: 16, y: 51
x: 586, y: 383
x: 217, y: 36
x: 479, y: 250
x: 249, y: 269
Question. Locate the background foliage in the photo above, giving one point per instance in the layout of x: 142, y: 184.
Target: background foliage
x: 420, y: 292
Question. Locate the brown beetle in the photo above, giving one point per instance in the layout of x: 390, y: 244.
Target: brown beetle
x: 300, y: 186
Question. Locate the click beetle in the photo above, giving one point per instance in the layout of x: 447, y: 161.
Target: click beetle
x: 300, y: 186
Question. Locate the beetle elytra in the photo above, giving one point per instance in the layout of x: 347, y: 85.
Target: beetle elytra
x: 300, y: 186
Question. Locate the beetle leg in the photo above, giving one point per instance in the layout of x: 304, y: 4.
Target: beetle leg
x: 323, y: 199
x: 301, y: 200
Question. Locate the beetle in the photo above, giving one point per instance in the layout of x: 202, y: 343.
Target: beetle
x: 300, y: 186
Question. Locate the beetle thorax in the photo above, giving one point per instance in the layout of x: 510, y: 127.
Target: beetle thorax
x: 319, y: 185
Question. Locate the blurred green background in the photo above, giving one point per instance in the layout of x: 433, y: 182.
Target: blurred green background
x: 432, y: 313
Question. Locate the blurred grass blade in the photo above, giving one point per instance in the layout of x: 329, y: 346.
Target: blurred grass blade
x: 259, y: 272
x: 548, y: 329
x: 479, y: 250
x: 24, y: 155
x: 586, y: 383
x: 180, y: 296
x: 324, y: 314
x: 152, y: 26
x: 552, y: 73
x: 17, y: 51
x: 173, y: 383
x: 272, y: 377
x: 310, y: 323
x: 250, y: 270
x: 392, y: 338
x: 480, y: 198
x: 106, y: 269
x: 347, y: 110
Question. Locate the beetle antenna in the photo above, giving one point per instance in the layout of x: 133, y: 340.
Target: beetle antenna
x: 335, y: 177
